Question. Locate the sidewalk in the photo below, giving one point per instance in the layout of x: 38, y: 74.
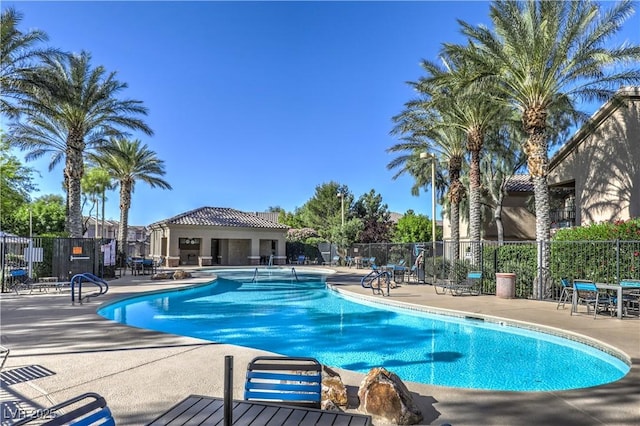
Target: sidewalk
x: 69, y: 350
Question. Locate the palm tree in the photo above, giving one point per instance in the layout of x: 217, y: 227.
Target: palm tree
x: 544, y: 53
x: 451, y: 147
x: 447, y: 143
x: 95, y: 183
x: 129, y: 162
x: 469, y: 107
x: 19, y: 55
x: 73, y: 111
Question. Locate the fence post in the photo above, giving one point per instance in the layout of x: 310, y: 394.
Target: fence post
x: 228, y: 390
x: 618, y: 260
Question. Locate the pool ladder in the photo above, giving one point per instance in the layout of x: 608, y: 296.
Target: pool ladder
x: 379, y: 278
x: 294, y: 274
x: 87, y: 277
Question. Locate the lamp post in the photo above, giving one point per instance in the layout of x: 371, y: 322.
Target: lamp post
x: 341, y: 195
x: 424, y: 155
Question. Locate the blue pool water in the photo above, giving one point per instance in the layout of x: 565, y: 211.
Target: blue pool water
x: 303, y: 318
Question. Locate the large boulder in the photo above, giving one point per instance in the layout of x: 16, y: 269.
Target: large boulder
x: 334, y: 392
x: 162, y: 276
x: 181, y: 275
x: 382, y: 394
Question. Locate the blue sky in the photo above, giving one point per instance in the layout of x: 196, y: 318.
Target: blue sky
x: 254, y: 104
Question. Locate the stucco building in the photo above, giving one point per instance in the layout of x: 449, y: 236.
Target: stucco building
x: 218, y: 236
x: 598, y: 169
x: 594, y: 177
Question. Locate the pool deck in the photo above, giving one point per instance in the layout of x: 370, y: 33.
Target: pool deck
x: 62, y: 350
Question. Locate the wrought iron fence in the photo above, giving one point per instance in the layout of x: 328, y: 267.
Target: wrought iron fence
x: 599, y: 261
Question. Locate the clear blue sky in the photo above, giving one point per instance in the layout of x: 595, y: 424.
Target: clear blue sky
x: 254, y: 104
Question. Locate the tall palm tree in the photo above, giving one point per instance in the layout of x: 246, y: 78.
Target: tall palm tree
x: 447, y: 143
x: 540, y: 54
x: 19, y: 55
x: 128, y: 162
x: 73, y: 111
x: 470, y: 107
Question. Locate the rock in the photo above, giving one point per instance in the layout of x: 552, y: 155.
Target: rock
x: 333, y: 390
x: 162, y: 276
x: 181, y: 275
x: 329, y: 405
x: 383, y: 394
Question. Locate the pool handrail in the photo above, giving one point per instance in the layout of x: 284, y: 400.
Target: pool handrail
x: 88, y: 277
x: 376, y: 275
x: 294, y: 274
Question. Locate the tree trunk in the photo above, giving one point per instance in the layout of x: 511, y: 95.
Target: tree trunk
x: 474, y: 145
x: 536, y: 149
x: 497, y: 216
x: 74, y: 170
x: 455, y: 238
x: 543, y: 231
x: 125, y: 204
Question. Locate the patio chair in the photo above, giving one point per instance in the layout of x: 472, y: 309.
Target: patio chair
x: 588, y: 295
x: 566, y: 295
x: 83, y: 410
x: 286, y: 380
x: 335, y: 260
x: 630, y: 299
x: 19, y: 280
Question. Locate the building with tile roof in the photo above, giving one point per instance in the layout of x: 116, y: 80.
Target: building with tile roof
x: 218, y: 236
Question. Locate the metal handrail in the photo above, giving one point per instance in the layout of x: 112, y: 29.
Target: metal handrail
x: 88, y: 277
x: 255, y: 276
x: 376, y: 275
x: 293, y: 272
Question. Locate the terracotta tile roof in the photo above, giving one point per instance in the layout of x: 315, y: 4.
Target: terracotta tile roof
x: 221, y: 216
x: 520, y: 183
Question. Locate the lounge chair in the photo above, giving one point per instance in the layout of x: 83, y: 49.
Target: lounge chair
x: 335, y: 260
x: 286, y: 380
x: 83, y: 410
x: 413, y: 273
x: 470, y: 285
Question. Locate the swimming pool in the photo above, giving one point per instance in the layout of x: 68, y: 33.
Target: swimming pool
x: 304, y: 318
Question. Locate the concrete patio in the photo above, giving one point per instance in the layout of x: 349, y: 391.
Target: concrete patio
x: 66, y: 350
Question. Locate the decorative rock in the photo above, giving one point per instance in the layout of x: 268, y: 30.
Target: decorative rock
x: 180, y: 274
x: 329, y: 405
x: 162, y: 276
x: 333, y: 390
x: 383, y: 394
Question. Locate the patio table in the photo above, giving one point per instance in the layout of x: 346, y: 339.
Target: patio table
x: 197, y: 410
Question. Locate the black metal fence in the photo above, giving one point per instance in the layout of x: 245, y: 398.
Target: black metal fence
x: 58, y: 258
x: 599, y: 261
